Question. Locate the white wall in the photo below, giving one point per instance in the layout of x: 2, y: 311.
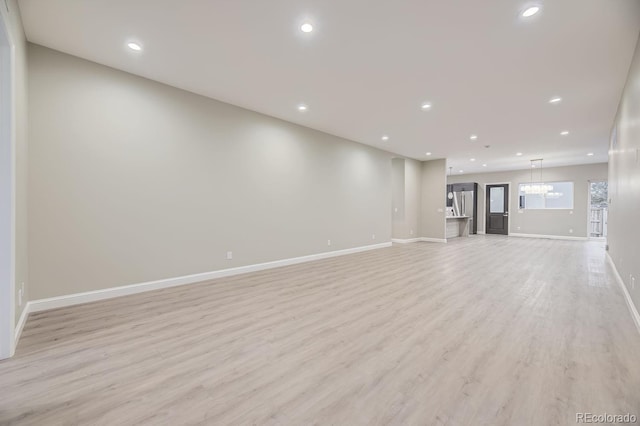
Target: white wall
x: 131, y: 181
x: 397, y: 196
x: 433, y: 192
x: 541, y: 222
x: 624, y: 184
x: 406, y: 197
x: 18, y: 150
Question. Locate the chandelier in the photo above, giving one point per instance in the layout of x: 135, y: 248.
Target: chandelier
x: 538, y: 188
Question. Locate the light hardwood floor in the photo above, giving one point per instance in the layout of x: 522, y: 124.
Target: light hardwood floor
x: 482, y: 330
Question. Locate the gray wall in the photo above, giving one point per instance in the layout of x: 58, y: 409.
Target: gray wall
x: 624, y: 184
x: 13, y: 21
x: 433, y: 192
x: 131, y: 180
x: 542, y: 222
x: 406, y: 197
x: 397, y: 196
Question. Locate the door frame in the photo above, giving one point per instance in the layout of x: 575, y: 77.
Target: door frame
x: 484, y: 206
x: 7, y: 190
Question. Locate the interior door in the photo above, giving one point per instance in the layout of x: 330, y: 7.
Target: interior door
x: 497, y: 206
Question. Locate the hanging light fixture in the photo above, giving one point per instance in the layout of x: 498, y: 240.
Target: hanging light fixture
x: 450, y: 194
x: 537, y: 188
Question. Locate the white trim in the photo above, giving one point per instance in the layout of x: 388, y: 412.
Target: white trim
x: 481, y: 233
x: 22, y: 321
x: 108, y: 293
x: 415, y: 240
x: 627, y: 297
x: 549, y: 237
x: 433, y: 240
x: 405, y: 241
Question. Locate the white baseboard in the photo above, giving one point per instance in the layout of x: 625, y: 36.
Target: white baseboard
x: 549, y: 237
x: 21, y: 322
x: 632, y: 308
x: 405, y: 241
x: 415, y: 240
x: 108, y: 293
x: 481, y: 233
x: 433, y: 240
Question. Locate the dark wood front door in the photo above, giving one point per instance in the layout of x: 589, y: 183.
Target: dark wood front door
x: 497, y: 209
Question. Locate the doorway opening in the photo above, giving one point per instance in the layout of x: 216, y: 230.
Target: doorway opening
x: 598, y: 209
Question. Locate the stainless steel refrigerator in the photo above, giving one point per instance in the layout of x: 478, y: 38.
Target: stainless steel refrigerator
x: 463, y: 199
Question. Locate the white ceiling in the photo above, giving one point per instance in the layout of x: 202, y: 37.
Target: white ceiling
x: 368, y: 66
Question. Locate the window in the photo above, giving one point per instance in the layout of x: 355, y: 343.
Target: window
x: 546, y: 195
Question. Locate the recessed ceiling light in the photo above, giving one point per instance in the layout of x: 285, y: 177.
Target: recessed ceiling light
x: 484, y: 165
x: 472, y: 159
x: 518, y: 154
x: 590, y: 154
x: 385, y: 138
x: 555, y: 100
x: 426, y: 106
x: 473, y: 137
x: 428, y: 153
x: 134, y: 46
x: 530, y: 11
x: 302, y: 107
x: 564, y: 132
x: 306, y: 27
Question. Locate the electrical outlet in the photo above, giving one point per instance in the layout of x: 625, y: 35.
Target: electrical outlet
x: 518, y: 228
x: 570, y: 211
x: 21, y: 294
x: 395, y: 210
x: 411, y: 232
x: 373, y: 236
x: 571, y: 231
x: 229, y: 255
x: 328, y: 242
